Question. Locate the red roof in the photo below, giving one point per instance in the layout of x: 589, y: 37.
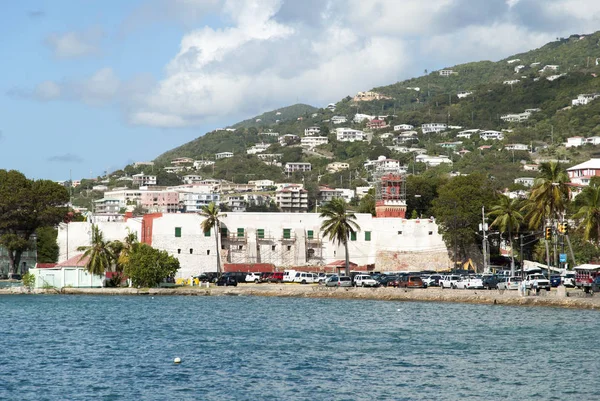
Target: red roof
x: 45, y: 265
x: 341, y: 263
x: 75, y: 261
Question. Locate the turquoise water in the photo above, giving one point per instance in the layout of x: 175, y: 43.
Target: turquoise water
x: 252, y: 348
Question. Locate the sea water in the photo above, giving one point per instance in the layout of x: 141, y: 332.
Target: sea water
x: 251, y: 348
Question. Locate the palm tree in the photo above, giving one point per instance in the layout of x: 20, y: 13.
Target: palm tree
x: 122, y: 250
x: 589, y: 213
x: 549, y: 195
x: 339, y: 224
x: 508, y: 219
x: 99, y: 255
x: 212, y: 215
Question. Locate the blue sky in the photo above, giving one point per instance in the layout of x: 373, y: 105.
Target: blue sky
x: 88, y: 86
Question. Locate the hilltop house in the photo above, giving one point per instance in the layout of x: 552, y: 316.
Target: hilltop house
x: 376, y: 124
x: 491, y: 135
x: 313, y: 141
x: 403, y: 127
x: 258, y: 148
x: 312, y: 131
x: 446, y: 73
x: 584, y: 99
x: 142, y: 180
x: 349, y: 135
x: 339, y: 119
x: 433, y: 128
x: 223, y: 155
x: 581, y: 174
x: 432, y: 160
x: 298, y: 166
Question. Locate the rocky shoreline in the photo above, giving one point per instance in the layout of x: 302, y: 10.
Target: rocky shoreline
x: 571, y: 298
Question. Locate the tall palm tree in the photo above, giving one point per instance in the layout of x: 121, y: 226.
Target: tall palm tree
x: 99, y: 255
x: 339, y: 224
x: 589, y: 213
x: 508, y: 220
x: 122, y: 250
x: 212, y: 216
x: 549, y: 195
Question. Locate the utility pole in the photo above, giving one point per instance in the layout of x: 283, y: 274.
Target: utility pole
x: 485, y: 265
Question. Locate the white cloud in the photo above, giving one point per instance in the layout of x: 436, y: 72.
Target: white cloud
x: 265, y: 54
x: 75, y: 44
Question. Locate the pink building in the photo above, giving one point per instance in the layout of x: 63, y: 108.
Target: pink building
x: 160, y: 201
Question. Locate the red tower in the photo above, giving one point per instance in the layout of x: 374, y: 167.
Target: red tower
x: 390, y: 195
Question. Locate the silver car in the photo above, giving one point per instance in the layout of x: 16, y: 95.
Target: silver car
x: 338, y: 281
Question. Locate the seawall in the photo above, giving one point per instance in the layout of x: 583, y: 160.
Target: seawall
x: 572, y: 299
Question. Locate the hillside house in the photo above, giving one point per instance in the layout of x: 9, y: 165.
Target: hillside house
x: 331, y: 107
x: 549, y: 68
x: 446, y: 73
x: 313, y: 141
x: 292, y: 199
x: 198, y: 164
x: 432, y: 160
x: 285, y: 140
x: 312, y: 131
x: 191, y: 179
x: 511, y: 82
x: 463, y: 94
x: 433, y: 128
x: 491, y: 135
x: 584, y: 99
x: 192, y: 202
x: 531, y: 167
x: 403, y: 127
x: 258, y: 148
x: 376, y: 124
x: 467, y: 133
x: 339, y: 119
x: 384, y: 164
x: 581, y: 174
x: 515, y: 118
x: 516, y: 146
x: 297, y: 166
x: 337, y: 166
x: 575, y: 141
x: 349, y: 135
x: 526, y: 181
x: 450, y: 145
x: 182, y: 161
x: 359, y: 118
x: 142, y: 180
x: 223, y: 155
x: 369, y: 96
x: 270, y: 133
x: 262, y: 185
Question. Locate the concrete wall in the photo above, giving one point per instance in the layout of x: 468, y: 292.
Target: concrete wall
x: 395, y: 244
x: 65, y: 277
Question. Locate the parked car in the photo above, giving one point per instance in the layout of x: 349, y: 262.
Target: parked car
x: 338, y: 281
x: 432, y: 280
x: 513, y: 283
x: 595, y: 285
x: 252, y: 278
x: 502, y: 283
x: 537, y: 281
x: 555, y: 280
x: 449, y: 281
x: 276, y: 277
x: 388, y: 281
x: 461, y: 283
x: 323, y: 277
x: 411, y: 282
x: 491, y: 281
x: 364, y: 280
x: 305, y: 278
x: 568, y: 279
x: 227, y: 281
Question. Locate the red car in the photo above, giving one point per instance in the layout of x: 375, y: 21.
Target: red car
x: 411, y: 282
x: 277, y: 277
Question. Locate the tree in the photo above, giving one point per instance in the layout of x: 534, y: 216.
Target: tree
x: 99, y: 255
x: 457, y: 210
x: 508, y: 219
x: 47, y: 247
x: 339, y: 224
x: 549, y: 195
x: 367, y: 203
x: 25, y: 206
x: 212, y: 216
x: 589, y: 213
x: 148, y: 267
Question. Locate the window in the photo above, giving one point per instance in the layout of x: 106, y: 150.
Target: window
x: 208, y: 251
x: 367, y: 235
x: 272, y: 247
x: 430, y: 232
x: 240, y: 232
x: 179, y: 251
x: 287, y: 233
x: 240, y: 247
x: 177, y: 232
x: 207, y: 233
x: 224, y: 231
x: 289, y: 247
x: 261, y: 233
x: 310, y: 234
x: 353, y: 236
x: 399, y: 232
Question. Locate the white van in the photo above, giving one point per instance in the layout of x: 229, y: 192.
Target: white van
x: 288, y: 275
x: 305, y: 278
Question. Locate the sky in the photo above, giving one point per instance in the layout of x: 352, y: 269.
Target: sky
x: 90, y: 86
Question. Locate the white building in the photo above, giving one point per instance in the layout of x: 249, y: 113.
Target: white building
x: 339, y: 119
x: 515, y: 60
x: 192, y: 202
x: 403, y: 127
x: 191, y: 179
x: 349, y: 135
x: 284, y: 140
x: 270, y: 133
x: 359, y: 118
x: 262, y: 185
x: 140, y: 164
x: 407, y: 136
x: 258, y: 148
x: 519, y: 68
x: 142, y: 180
x: 584, y: 99
x: 515, y: 118
x: 491, y: 135
x: 281, y: 239
x: 312, y: 131
x: 593, y: 140
x: 337, y: 166
x: 433, y: 160
x: 293, y: 167
x: 511, y: 82
x: 446, y: 73
x: 516, y: 146
x: 467, y: 133
x: 463, y: 94
x: 292, y: 199
x: 223, y: 155
x: 313, y: 141
x: 331, y: 107
x: 526, y: 181
x: 198, y: 164
x: 575, y: 141
x: 99, y: 188
x: 549, y: 68
x: 433, y: 128
x: 384, y: 164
